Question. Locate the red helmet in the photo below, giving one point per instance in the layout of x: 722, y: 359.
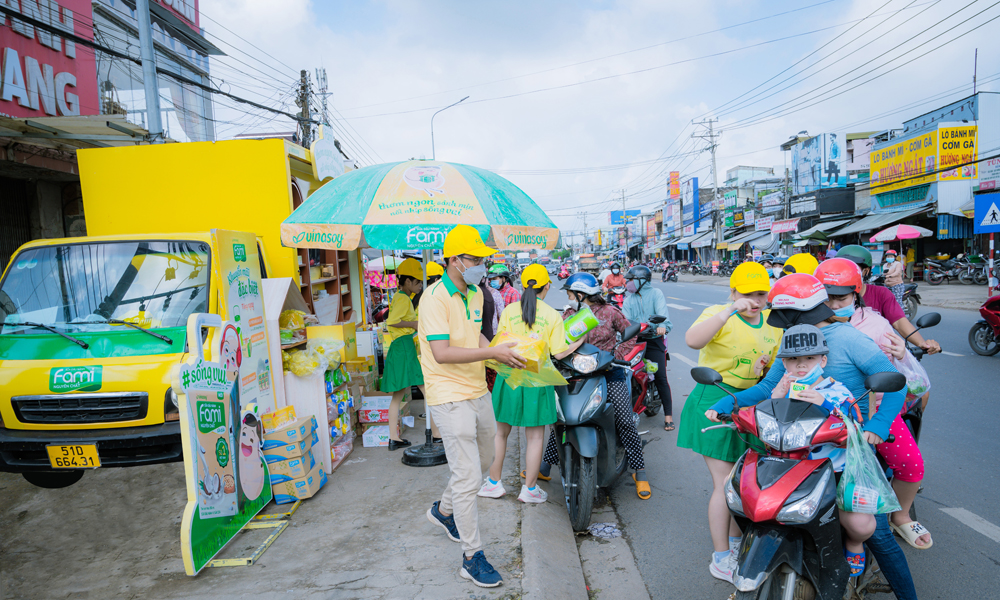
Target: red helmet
x: 797, y: 291
x: 840, y: 276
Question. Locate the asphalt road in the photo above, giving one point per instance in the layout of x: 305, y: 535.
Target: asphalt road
x: 669, y: 533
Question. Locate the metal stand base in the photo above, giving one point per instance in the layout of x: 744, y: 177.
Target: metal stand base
x: 427, y: 455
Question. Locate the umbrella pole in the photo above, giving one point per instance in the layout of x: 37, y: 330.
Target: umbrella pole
x: 429, y: 454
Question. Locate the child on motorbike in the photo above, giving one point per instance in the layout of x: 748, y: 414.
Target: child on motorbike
x: 530, y: 407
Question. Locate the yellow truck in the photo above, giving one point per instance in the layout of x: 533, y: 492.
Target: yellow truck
x: 92, y: 326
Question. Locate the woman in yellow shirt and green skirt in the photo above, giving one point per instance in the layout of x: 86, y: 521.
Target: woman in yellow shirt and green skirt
x: 402, y: 368
x: 735, y: 340
x: 530, y: 407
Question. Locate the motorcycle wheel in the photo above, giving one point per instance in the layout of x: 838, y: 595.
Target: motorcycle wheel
x: 910, y: 307
x: 934, y: 278
x: 982, y: 341
x: 653, y: 407
x: 966, y: 278
x: 581, y: 482
x: 980, y: 277
x: 772, y: 589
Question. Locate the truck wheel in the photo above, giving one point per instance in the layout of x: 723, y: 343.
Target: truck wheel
x: 52, y: 480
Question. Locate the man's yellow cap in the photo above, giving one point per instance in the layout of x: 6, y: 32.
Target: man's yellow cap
x: 410, y: 267
x: 801, y: 263
x: 435, y: 270
x: 750, y: 277
x: 536, y: 273
x: 464, y: 239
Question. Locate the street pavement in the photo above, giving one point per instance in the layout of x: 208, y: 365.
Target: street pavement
x: 669, y: 536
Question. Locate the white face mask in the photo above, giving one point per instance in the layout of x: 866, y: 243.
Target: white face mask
x: 472, y: 275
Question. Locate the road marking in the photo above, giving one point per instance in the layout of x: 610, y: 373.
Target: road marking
x: 672, y: 298
x: 680, y: 306
x: 975, y: 522
x: 684, y: 359
x: 951, y: 353
x: 702, y: 304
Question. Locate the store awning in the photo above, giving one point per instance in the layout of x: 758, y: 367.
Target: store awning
x: 827, y: 226
x: 747, y: 236
x: 72, y: 133
x: 877, y: 221
x: 686, y: 239
x: 705, y: 239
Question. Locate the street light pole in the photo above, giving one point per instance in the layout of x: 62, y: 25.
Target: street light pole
x: 433, y: 154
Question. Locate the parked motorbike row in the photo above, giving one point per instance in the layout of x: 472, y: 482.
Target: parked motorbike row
x: 962, y: 268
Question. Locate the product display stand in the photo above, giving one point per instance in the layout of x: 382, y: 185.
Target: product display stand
x: 429, y: 454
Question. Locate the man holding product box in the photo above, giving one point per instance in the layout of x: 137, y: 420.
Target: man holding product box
x: 452, y: 352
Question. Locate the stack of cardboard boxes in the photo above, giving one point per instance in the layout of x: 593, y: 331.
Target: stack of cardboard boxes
x: 288, y: 450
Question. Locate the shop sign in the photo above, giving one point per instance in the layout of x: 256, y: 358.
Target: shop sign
x: 688, y: 230
x: 185, y: 10
x: 650, y: 230
x: 804, y: 205
x: 957, y: 146
x: 786, y: 226
x: 44, y: 74
x: 763, y: 223
x: 757, y: 254
x: 658, y: 217
x: 750, y: 216
x: 327, y: 162
x: 989, y: 174
x: 675, y: 185
x: 905, y: 163
x: 738, y: 220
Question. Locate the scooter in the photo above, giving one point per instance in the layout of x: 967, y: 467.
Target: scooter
x: 984, y: 337
x: 589, y: 453
x: 911, y: 299
x: 617, y: 296
x: 785, y: 503
x: 937, y: 271
x: 645, y: 397
x: 670, y: 274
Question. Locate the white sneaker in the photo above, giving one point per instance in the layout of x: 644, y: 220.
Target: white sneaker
x: 536, y: 496
x: 721, y: 570
x: 491, y: 490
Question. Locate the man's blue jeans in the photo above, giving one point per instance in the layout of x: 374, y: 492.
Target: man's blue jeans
x: 891, y: 559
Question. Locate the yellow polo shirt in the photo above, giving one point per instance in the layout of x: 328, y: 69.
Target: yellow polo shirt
x: 400, y: 309
x: 447, y: 314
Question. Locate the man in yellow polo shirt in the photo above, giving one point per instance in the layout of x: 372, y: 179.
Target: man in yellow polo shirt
x: 452, y: 351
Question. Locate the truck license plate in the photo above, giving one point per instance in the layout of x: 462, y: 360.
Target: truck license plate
x: 76, y: 456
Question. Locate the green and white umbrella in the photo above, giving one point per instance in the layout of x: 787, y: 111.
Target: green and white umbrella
x: 413, y: 205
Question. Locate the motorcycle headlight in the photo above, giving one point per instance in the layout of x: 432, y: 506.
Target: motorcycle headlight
x: 584, y: 363
x: 733, y: 497
x: 800, y: 434
x: 802, y: 511
x: 768, y: 430
x: 595, y: 402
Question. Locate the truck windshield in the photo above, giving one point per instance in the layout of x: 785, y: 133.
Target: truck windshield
x: 80, y: 287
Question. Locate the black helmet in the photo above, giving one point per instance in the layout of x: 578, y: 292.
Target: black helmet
x: 640, y: 272
x: 765, y: 258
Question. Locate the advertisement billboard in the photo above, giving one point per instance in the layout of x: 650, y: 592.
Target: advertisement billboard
x: 957, y: 146
x: 989, y: 174
x: 904, y: 163
x: 689, y: 196
x: 763, y: 223
x: 819, y: 162
x: 617, y: 217
x: 45, y: 75
x: 650, y: 231
x: 675, y: 184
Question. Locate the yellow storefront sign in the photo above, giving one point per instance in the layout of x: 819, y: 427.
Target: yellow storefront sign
x: 905, y: 164
x: 957, y: 147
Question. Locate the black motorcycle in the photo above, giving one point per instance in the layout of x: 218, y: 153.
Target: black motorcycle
x: 590, y: 455
x: 911, y: 299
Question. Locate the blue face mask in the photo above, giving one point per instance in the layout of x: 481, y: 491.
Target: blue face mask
x: 495, y: 284
x: 812, y: 376
x: 890, y: 259
x: 847, y: 311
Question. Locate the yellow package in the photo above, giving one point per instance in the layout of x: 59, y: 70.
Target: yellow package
x: 304, y: 362
x: 540, y: 371
x: 291, y: 319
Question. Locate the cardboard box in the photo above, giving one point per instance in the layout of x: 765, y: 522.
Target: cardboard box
x: 381, y: 415
x: 278, y: 451
x: 338, y: 331
x: 366, y: 343
x: 361, y: 364
x: 375, y: 436
x: 296, y: 431
x: 374, y: 401
x: 273, y: 421
x: 294, y: 468
x: 327, y: 271
x: 300, y: 489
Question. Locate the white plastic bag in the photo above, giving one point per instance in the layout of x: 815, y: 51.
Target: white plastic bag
x: 918, y: 382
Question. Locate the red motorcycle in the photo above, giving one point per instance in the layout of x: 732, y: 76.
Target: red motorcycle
x: 785, y: 503
x: 984, y: 337
x: 646, y: 400
x: 617, y: 296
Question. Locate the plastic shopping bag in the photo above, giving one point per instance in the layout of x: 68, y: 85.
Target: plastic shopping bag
x: 918, y: 382
x: 540, y: 372
x: 863, y: 487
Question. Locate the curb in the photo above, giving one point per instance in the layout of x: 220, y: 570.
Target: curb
x: 552, y: 569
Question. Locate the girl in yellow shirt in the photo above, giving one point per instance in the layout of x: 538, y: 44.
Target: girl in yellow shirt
x: 530, y: 407
x: 402, y: 369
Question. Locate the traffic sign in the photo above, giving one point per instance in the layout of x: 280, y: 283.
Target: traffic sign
x: 987, y: 216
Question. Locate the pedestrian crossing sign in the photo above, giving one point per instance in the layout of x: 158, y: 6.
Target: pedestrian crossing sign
x: 987, y: 216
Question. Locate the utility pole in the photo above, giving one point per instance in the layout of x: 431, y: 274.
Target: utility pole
x: 625, y: 222
x: 584, y: 215
x: 321, y: 83
x: 150, y: 85
x: 711, y: 137
x: 305, y: 90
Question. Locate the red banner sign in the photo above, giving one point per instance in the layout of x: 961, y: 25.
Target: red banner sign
x: 43, y: 74
x: 787, y: 226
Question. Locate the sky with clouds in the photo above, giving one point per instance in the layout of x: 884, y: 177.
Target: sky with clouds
x: 575, y: 101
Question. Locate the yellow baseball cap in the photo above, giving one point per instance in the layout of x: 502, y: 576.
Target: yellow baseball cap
x: 464, y: 239
x: 435, y: 270
x: 536, y: 273
x: 410, y: 267
x: 801, y: 263
x: 750, y: 277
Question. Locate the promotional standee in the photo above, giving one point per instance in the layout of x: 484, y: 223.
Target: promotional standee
x: 221, y: 401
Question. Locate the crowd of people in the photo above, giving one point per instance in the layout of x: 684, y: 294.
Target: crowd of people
x: 856, y: 329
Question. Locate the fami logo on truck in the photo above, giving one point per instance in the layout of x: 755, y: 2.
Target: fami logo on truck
x: 75, y: 379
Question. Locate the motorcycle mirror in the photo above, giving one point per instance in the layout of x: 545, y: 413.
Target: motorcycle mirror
x: 706, y: 375
x: 928, y: 320
x: 887, y: 381
x: 631, y: 331
x: 657, y: 319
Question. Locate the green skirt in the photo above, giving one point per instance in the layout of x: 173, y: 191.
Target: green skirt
x: 402, y: 368
x: 524, y: 406
x: 723, y: 443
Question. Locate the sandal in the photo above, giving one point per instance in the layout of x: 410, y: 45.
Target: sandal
x: 910, y: 532
x: 642, y: 488
x: 668, y: 426
x: 856, y: 562
x: 524, y: 475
